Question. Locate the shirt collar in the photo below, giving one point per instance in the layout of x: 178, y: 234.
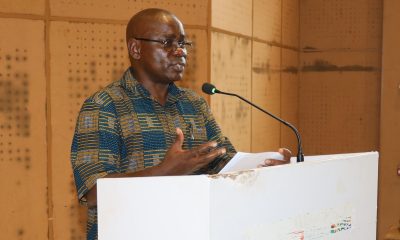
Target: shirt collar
x: 130, y: 83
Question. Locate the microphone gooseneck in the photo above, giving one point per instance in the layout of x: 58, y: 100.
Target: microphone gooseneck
x: 210, y: 89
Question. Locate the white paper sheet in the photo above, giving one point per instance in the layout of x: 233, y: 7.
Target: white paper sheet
x: 244, y: 161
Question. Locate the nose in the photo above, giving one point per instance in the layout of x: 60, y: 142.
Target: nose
x: 180, y: 52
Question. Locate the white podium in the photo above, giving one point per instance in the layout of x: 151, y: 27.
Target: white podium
x: 325, y: 197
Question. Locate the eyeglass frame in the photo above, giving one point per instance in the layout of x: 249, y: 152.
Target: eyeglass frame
x: 180, y: 44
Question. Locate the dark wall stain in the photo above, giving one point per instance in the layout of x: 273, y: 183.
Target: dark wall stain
x: 307, y: 49
x: 264, y: 68
x: 324, y: 66
x: 291, y: 69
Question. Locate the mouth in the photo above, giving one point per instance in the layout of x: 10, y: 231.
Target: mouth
x: 178, y: 67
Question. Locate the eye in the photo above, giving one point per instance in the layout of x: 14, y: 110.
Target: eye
x: 182, y: 44
x: 168, y: 43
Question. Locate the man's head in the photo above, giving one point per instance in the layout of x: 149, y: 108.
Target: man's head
x: 156, y: 44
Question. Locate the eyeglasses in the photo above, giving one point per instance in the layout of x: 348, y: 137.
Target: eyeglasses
x: 169, y: 44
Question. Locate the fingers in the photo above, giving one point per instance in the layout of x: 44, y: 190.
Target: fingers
x: 208, y: 157
x: 287, y: 154
x: 206, y: 152
x: 206, y: 147
x: 178, y: 139
x: 271, y: 162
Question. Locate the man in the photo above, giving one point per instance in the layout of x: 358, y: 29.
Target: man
x: 143, y: 124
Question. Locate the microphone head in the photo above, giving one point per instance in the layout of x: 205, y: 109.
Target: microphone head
x: 209, y: 89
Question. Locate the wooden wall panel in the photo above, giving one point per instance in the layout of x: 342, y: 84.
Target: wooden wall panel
x: 234, y: 17
x: 84, y: 58
x: 23, y: 160
x: 193, y: 12
x: 339, y: 112
x: 341, y: 24
x: 290, y: 98
x: 389, y: 182
x: 21, y: 6
x: 231, y: 72
x: 267, y: 20
x: 290, y: 23
x: 339, y: 82
x: 266, y: 93
x: 196, y: 72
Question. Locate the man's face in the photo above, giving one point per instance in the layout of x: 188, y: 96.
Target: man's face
x: 159, y: 63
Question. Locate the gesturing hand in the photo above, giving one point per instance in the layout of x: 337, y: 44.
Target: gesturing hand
x: 179, y: 162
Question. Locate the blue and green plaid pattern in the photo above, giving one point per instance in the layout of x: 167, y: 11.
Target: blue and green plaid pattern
x: 123, y: 129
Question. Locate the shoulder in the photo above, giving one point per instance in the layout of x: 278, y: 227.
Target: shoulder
x: 106, y: 97
x: 103, y: 101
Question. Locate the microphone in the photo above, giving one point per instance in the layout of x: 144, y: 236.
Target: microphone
x: 210, y: 89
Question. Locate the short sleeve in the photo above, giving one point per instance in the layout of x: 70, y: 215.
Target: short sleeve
x: 96, y: 145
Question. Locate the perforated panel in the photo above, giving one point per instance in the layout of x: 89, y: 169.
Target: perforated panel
x: 341, y: 24
x: 289, y: 97
x: 196, y: 70
x: 235, y: 16
x: 231, y: 72
x: 189, y: 11
x: 21, y: 6
x: 339, y: 112
x: 340, y: 63
x: 290, y: 23
x: 266, y: 94
x: 84, y: 58
x: 23, y: 177
x: 267, y: 20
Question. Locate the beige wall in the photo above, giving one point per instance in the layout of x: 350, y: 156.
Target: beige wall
x: 315, y: 63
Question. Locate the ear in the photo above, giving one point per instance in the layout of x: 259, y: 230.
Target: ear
x: 134, y: 48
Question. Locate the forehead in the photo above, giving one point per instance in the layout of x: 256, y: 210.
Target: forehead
x: 164, y: 25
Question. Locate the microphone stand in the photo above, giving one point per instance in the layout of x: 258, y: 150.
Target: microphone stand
x: 300, y: 155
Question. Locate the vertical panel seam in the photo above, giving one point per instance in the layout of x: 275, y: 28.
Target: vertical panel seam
x: 298, y: 64
x: 251, y: 74
x: 280, y: 76
x: 48, y: 123
x: 209, y: 42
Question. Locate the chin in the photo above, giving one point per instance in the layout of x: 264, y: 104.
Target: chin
x: 177, y: 77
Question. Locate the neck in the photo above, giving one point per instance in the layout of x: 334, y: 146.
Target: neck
x: 158, y: 90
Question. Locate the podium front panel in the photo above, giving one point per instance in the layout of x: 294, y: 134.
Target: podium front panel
x: 326, y: 197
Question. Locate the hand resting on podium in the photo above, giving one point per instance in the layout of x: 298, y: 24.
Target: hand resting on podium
x: 273, y: 162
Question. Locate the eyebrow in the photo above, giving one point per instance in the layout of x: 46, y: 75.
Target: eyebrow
x: 181, y: 36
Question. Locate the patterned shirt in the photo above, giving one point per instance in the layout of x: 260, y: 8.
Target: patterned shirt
x: 123, y: 129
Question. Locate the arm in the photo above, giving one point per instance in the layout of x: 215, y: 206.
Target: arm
x: 214, y: 133
x: 176, y: 162
x: 96, y: 151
